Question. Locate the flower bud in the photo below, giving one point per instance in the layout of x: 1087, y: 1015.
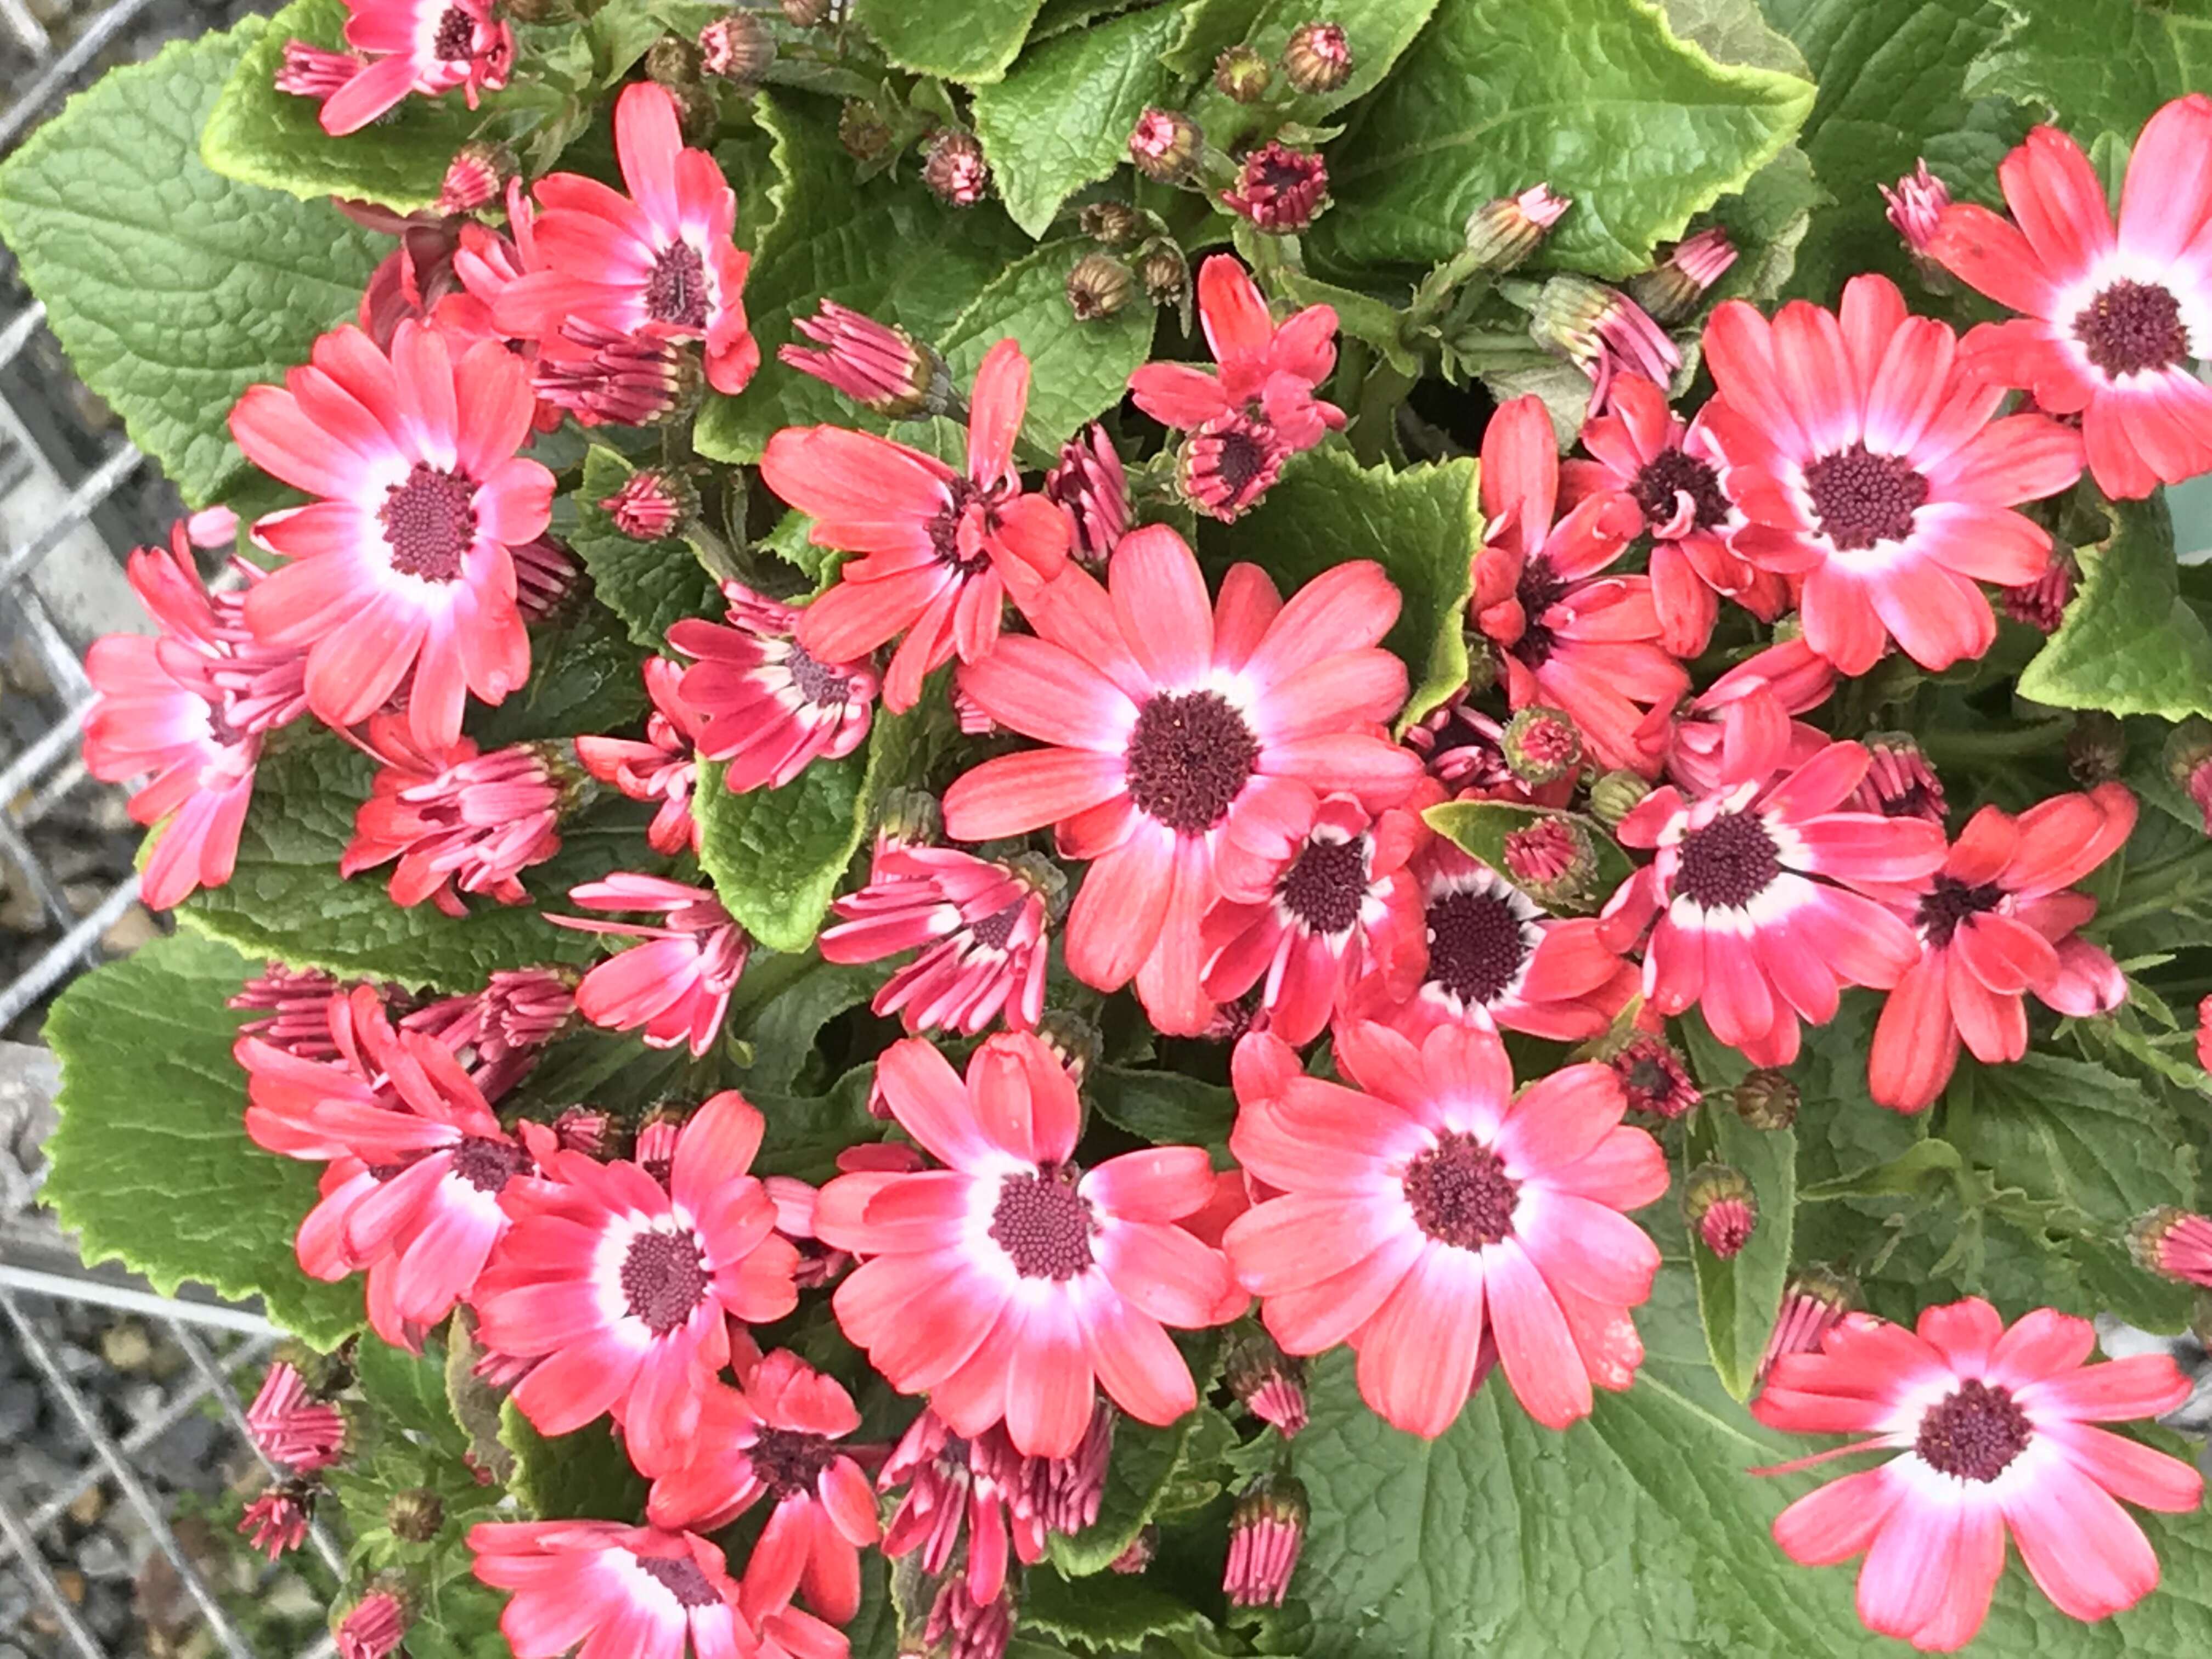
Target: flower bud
x: 2189, y: 763
x: 1812, y: 1303
x: 1653, y: 1077
x: 2174, y: 1243
x: 476, y: 175
x: 1721, y: 1208
x: 2204, y: 1035
x: 1916, y: 208
x: 1114, y: 224
x: 416, y: 1515
x: 1552, y: 861
x: 1278, y: 189
x: 908, y: 818
x: 1271, y: 1383
x: 1099, y: 286
x: 588, y: 1130
x: 698, y: 116
x: 2096, y: 748
x: 1503, y: 233
x: 1267, y: 1531
x: 1766, y: 1099
x: 738, y: 48
x: 278, y: 1520
x: 1164, y: 272
x: 311, y: 71
x: 808, y: 13
x: 375, y: 1626
x: 1075, y: 1042
x: 954, y: 170
x: 1542, y: 745
x: 862, y: 130
x: 877, y: 366
x: 1165, y: 145
x: 2041, y: 604
x: 652, y: 505
x: 1672, y: 290
x: 1089, y: 482
x: 673, y: 60
x: 1601, y: 331
x: 1898, y: 783
x: 1138, y: 1556
x: 1243, y: 76
x: 1615, y: 795
x: 1318, y: 58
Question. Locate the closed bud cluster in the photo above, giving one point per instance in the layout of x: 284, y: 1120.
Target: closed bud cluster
x: 1241, y: 75
x: 954, y: 170
x: 809, y: 14
x: 1603, y: 331
x: 909, y: 818
x: 605, y: 378
x: 1099, y: 286
x: 1318, y: 58
x: 1089, y: 482
x: 1766, y: 1099
x: 1722, y: 1209
x: 1503, y: 233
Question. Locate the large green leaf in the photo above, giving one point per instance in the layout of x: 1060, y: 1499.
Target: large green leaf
x: 2131, y: 643
x: 1061, y: 118
x: 173, y: 289
x: 1378, y: 31
x: 884, y: 246
x: 1422, y: 525
x: 2098, y: 1144
x: 1598, y: 98
x: 975, y: 40
x: 649, y: 585
x: 151, y: 1164
x: 2103, y: 67
x: 1108, y: 1614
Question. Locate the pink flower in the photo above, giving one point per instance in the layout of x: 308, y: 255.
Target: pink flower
x: 402, y: 566
x: 1090, y: 482
x: 311, y: 71
x: 778, y: 1440
x: 1226, y: 465
x: 188, y: 705
x: 290, y: 1426
x: 677, y: 985
x: 1672, y: 474
x: 659, y: 258
x: 953, y: 1490
x: 502, y: 1026
x: 2174, y: 1243
x: 877, y: 366
x: 1812, y: 1303
x: 763, y: 704
x: 1571, y: 637
x: 1269, y: 373
x: 664, y: 767
x: 1177, y: 729
x: 623, y: 1288
x: 1267, y: 1533
x: 277, y: 1521
x: 1916, y: 208
x: 1340, y: 904
x: 940, y: 549
x: 1869, y: 464
x: 2111, y: 321
x: 979, y: 924
x: 373, y: 1629
x: 605, y: 377
x: 1429, y: 1216
x: 1997, y: 1430
x: 1741, y: 726
x: 1010, y: 1283
x: 307, y: 1007
x: 1997, y: 921
x: 457, y: 820
x: 428, y: 46
x: 1900, y: 783
x: 1751, y: 890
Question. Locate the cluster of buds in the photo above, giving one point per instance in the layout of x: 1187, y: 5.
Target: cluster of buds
x: 1722, y: 1209
x: 1463, y: 747
x: 1653, y: 1077
x: 1111, y: 224
x: 878, y: 365
x: 1166, y: 145
x: 1271, y: 1383
x: 1267, y: 1531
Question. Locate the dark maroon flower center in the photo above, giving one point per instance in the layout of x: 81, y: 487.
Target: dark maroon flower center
x: 788, y: 1461
x: 1478, y: 945
x: 1671, y: 473
x: 680, y: 1576
x: 1540, y: 588
x: 429, y: 521
x: 675, y: 293
x: 1949, y: 902
x: 993, y: 932
x: 487, y: 1166
x: 456, y: 38
x: 1973, y: 1433
x: 663, y: 1277
x: 1325, y: 884
x: 819, y: 683
x: 1043, y: 1224
x: 945, y: 530
x: 1728, y: 863
x: 1861, y: 498
x: 2131, y: 327
x: 1188, y: 757
x: 1240, y: 458
x: 1460, y: 1193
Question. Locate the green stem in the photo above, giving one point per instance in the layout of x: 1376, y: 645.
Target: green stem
x: 1955, y: 747
x: 2166, y: 899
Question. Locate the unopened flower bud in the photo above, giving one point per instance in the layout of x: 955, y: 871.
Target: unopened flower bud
x: 808, y: 13
x: 588, y: 1130
x: 1114, y: 224
x: 476, y: 175
x: 1267, y: 1531
x: 1165, y: 273
x: 416, y: 1514
x: 2174, y: 1243
x: 307, y: 70
x: 1138, y: 1556
x: 1091, y: 482
x: 1542, y: 745
x: 603, y: 377
x: 698, y: 116
x: 1898, y: 783
x: 876, y: 365
x: 1503, y: 233
x: 1670, y: 292
x: 2204, y: 1034
x: 673, y: 60
x: 1243, y: 76
x: 1278, y: 189
x: 1271, y: 1383
x: 1722, y: 1209
x: 955, y: 169
x: 2189, y: 763
x: 908, y: 818
x: 1165, y: 145
x: 1318, y: 58
x: 1615, y: 795
x: 1075, y: 1042
x: 1766, y: 1099
x: 862, y: 130
x: 375, y: 1626
x: 1099, y: 286
x: 652, y: 505
x: 1653, y: 1077
x: 2041, y: 604
x: 1812, y: 1303
x: 1552, y: 860
x: 1916, y: 208
x: 738, y: 48
x: 2096, y: 748
x: 1601, y: 331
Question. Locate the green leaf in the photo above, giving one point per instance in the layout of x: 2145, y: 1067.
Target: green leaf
x: 1422, y: 525
x: 973, y: 41
x: 1061, y: 118
x: 2131, y: 643
x: 805, y: 1132
x: 585, y: 676
x: 881, y: 245
x: 1768, y: 223
x: 1479, y: 828
x: 2063, y: 1131
x: 780, y: 1006
x: 260, y: 136
x: 286, y: 899
x: 173, y: 290
x: 1734, y: 32
x: 1378, y: 31
x: 1598, y: 98
x: 586, y: 1475
x: 1165, y: 1108
x: 1361, y: 316
x: 1147, y: 1462
x: 409, y: 1389
x: 649, y: 585
x: 1107, y: 1612
x: 151, y: 1164
x: 2103, y: 67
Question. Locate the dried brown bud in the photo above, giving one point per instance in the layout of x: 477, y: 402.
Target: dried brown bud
x: 1099, y: 286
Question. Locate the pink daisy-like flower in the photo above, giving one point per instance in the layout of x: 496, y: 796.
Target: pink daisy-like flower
x: 1429, y: 1215
x: 1868, y: 462
x: 1751, y: 890
x: 677, y: 985
x: 1997, y: 921
x: 623, y: 1288
x: 658, y: 259
x: 1672, y: 472
x: 663, y: 766
x: 1998, y: 1432
x: 941, y: 550
x: 1177, y: 728
x: 763, y: 704
x: 1340, y: 903
x: 428, y: 46
x: 2112, y: 318
x: 1571, y: 637
x: 778, y: 1440
x: 1009, y: 1283
x: 402, y: 566
x: 457, y: 820
x: 979, y: 924
x: 1267, y: 371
